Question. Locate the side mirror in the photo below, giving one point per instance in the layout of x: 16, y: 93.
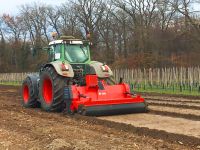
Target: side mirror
x: 46, y: 48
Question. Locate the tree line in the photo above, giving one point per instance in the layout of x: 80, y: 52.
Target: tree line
x: 124, y: 33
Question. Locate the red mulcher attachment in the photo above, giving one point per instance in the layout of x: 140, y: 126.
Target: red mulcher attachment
x: 99, y: 98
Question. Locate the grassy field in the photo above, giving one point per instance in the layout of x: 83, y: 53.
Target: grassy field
x: 15, y: 83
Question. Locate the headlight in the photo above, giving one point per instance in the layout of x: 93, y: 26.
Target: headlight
x: 64, y: 67
x: 105, y: 68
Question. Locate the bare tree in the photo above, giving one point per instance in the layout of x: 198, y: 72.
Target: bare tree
x: 69, y: 21
x: 54, y: 15
x: 183, y: 7
x: 165, y: 14
x: 130, y: 32
x: 107, y: 32
x: 142, y: 14
x: 13, y: 25
x: 34, y: 19
x: 89, y: 13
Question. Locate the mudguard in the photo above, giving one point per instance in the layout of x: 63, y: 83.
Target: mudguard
x: 57, y: 67
x: 99, y: 72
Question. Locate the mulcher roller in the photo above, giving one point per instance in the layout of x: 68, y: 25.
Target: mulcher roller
x: 113, y: 109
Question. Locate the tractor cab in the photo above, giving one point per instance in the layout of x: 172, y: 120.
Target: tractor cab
x: 69, y: 49
x: 72, y: 53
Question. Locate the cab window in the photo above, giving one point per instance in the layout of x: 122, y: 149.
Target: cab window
x: 57, y: 52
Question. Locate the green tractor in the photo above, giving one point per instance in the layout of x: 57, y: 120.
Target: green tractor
x: 70, y: 81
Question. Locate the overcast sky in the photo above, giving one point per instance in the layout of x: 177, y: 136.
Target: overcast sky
x: 11, y: 6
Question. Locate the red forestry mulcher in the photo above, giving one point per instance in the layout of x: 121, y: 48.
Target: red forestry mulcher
x: 70, y: 81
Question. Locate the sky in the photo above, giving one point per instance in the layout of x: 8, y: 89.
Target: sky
x: 11, y: 6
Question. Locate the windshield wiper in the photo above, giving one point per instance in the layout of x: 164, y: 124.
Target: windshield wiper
x: 83, y: 51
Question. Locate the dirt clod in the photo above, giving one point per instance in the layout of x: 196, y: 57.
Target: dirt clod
x: 58, y: 144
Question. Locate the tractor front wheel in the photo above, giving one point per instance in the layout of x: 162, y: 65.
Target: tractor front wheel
x: 51, y: 90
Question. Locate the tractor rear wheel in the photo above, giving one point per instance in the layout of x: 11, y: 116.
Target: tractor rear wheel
x: 51, y: 90
x: 29, y: 92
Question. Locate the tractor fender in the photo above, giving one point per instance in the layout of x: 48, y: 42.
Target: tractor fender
x: 57, y: 66
x: 98, y: 69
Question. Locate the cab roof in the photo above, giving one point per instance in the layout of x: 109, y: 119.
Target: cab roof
x: 69, y: 41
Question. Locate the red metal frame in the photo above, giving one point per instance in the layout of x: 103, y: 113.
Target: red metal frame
x: 91, y: 95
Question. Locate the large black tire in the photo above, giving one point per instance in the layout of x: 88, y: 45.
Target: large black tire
x: 30, y: 91
x: 51, y: 90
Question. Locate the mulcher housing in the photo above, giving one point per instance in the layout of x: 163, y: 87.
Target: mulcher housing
x: 70, y: 81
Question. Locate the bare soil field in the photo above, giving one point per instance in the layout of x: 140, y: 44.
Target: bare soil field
x: 163, y: 128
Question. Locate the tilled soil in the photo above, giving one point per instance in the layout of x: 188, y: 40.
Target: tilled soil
x: 165, y: 123
x: 189, y: 114
x: 197, y: 105
x: 34, y: 129
x: 176, y: 110
x: 164, y: 98
x: 175, y: 105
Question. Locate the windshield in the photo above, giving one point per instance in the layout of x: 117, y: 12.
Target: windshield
x: 76, y: 53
